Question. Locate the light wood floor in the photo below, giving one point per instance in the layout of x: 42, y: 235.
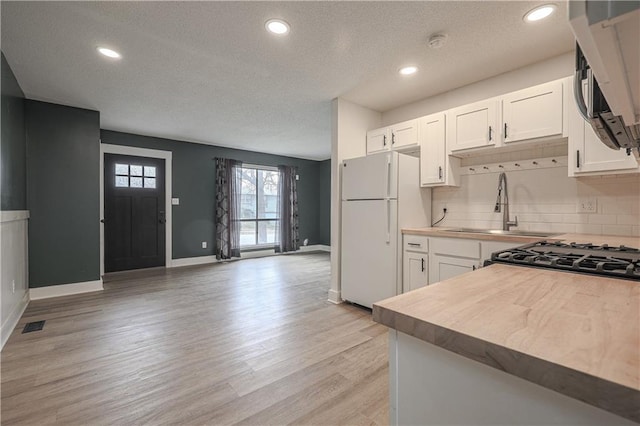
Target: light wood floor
x: 250, y: 342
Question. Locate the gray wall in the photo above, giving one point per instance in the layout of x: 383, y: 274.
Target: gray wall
x: 193, y: 182
x: 324, y: 193
x: 13, y: 143
x: 63, y: 193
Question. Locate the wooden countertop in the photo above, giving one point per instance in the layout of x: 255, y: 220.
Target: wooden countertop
x: 446, y: 233
x: 573, y: 333
x: 584, y: 238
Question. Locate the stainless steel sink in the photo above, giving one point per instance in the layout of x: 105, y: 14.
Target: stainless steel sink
x: 501, y: 232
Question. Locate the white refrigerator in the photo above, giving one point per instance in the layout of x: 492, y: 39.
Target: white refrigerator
x: 380, y: 195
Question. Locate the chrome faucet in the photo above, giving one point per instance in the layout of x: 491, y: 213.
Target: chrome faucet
x: 506, y: 223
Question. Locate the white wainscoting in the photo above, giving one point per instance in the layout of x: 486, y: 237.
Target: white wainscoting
x: 14, y: 269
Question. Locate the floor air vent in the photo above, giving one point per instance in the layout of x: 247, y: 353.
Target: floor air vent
x: 33, y: 326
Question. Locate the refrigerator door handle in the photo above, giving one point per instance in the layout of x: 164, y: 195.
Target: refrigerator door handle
x: 388, y: 221
x: 388, y: 175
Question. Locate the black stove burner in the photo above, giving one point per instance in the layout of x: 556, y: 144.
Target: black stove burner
x: 621, y: 262
x: 586, y: 246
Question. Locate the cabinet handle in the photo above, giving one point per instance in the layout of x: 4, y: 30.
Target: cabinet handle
x: 414, y: 244
x: 505, y: 130
x: 578, y: 158
x: 393, y: 138
x: 423, y: 264
x: 384, y: 140
x: 490, y: 133
x: 440, y: 172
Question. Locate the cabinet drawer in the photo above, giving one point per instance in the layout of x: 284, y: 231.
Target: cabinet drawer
x: 456, y: 247
x: 416, y: 243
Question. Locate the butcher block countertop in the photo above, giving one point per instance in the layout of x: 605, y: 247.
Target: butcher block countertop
x: 445, y: 232
x: 573, y: 333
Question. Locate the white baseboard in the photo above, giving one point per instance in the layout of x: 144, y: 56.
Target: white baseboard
x: 13, y: 215
x: 334, y: 297
x: 13, y: 319
x: 316, y: 247
x: 203, y: 260
x: 190, y: 261
x: 65, y: 289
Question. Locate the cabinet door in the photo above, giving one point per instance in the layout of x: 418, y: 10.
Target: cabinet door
x: 404, y: 134
x: 445, y: 267
x: 473, y: 125
x: 415, y: 271
x: 588, y: 154
x: 432, y: 150
x: 378, y: 140
x: 535, y: 112
x: 592, y: 155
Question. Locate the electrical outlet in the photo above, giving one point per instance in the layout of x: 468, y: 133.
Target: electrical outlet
x: 13, y: 286
x: 587, y: 205
x: 204, y: 244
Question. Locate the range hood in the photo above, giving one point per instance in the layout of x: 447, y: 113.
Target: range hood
x: 608, y: 58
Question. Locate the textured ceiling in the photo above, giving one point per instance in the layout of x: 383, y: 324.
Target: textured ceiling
x: 208, y: 72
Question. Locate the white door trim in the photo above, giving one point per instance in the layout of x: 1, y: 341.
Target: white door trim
x: 139, y: 152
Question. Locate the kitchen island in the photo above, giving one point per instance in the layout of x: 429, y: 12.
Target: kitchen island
x: 516, y: 345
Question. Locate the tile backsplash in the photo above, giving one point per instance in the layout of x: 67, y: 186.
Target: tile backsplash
x: 544, y: 200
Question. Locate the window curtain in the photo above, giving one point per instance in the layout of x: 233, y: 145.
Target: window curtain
x: 288, y: 234
x: 227, y: 208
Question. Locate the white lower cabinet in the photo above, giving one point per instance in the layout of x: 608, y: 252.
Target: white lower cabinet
x: 415, y: 262
x: 452, y: 256
x: 427, y: 260
x: 443, y: 267
x: 416, y: 267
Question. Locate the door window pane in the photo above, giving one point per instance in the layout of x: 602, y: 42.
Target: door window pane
x: 136, y: 171
x: 267, y: 232
x: 149, y: 182
x: 122, y: 169
x: 122, y: 181
x: 136, y: 182
x: 247, y: 233
x: 149, y: 171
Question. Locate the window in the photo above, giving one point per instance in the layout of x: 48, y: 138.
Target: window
x: 134, y: 176
x: 258, y: 206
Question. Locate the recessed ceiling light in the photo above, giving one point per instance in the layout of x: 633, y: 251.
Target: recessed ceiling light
x: 109, y: 53
x: 408, y: 70
x: 277, y: 26
x: 539, y: 13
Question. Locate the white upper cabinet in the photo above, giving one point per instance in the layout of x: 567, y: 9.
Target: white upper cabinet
x: 589, y: 155
x: 435, y: 166
x: 378, y: 140
x: 404, y: 135
x: 535, y: 112
x: 473, y: 126
x: 401, y: 137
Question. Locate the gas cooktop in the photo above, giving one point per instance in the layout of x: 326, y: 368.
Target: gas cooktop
x: 604, y: 260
